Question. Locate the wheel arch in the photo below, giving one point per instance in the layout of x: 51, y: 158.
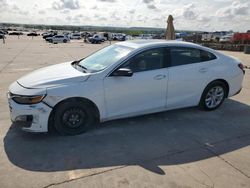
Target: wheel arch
x: 217, y: 80
x: 82, y: 99
x: 224, y: 82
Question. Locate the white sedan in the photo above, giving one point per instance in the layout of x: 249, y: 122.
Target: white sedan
x: 123, y: 80
x: 58, y: 39
x: 75, y: 36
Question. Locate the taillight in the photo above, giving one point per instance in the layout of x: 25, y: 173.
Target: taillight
x: 241, y: 66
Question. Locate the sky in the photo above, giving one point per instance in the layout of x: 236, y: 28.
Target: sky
x: 204, y: 15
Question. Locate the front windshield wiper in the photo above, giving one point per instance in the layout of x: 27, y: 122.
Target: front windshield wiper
x: 79, y: 65
x: 76, y: 64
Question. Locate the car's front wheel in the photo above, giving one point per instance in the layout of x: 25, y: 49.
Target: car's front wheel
x: 73, y: 117
x: 213, y: 96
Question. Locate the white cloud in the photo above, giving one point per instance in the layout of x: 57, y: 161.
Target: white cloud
x: 151, y: 6
x: 66, y: 4
x: 41, y: 12
x: 65, y: 11
x: 68, y: 18
x: 109, y: 1
x: 16, y: 10
x: 94, y: 7
x: 115, y: 16
x: 148, y: 1
x: 188, y: 14
x: 132, y: 11
x: 235, y: 9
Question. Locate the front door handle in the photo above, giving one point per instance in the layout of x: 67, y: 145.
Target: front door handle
x: 159, y: 77
x: 203, y: 70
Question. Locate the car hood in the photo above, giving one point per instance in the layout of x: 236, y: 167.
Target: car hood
x: 60, y: 74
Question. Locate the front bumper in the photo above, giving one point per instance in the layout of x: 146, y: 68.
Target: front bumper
x: 36, y: 114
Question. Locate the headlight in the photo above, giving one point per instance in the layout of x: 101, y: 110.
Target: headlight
x: 22, y: 99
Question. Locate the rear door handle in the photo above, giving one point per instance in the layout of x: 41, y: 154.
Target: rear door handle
x: 159, y: 77
x: 203, y: 70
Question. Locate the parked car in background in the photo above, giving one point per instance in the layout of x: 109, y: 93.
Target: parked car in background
x: 119, y: 36
x: 157, y: 36
x: 58, y: 39
x: 33, y: 34
x: 16, y: 33
x: 2, y: 36
x: 217, y: 35
x: 50, y: 34
x: 206, y: 37
x: 86, y: 34
x: 3, y: 32
x: 128, y: 37
x: 124, y: 80
x: 146, y: 36
x: 96, y: 39
x: 75, y: 36
x: 226, y: 39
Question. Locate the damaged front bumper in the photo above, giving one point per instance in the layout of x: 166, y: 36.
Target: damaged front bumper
x: 35, y: 116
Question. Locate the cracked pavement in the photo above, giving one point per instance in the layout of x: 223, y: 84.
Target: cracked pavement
x: 179, y: 148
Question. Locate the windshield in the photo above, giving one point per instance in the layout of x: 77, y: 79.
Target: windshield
x: 104, y: 57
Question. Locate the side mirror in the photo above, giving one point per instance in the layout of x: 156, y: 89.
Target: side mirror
x: 123, y: 72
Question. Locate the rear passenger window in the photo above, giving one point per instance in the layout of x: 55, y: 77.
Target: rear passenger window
x: 207, y: 56
x: 185, y: 56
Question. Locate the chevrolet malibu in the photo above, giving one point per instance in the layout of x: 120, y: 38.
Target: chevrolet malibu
x: 123, y: 80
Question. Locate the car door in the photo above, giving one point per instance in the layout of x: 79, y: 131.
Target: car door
x: 190, y: 70
x: 60, y: 38
x: 55, y: 39
x: 145, y: 91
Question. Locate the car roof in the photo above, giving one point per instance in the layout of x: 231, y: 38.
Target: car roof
x: 136, y: 44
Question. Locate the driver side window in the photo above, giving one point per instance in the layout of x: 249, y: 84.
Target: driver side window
x: 148, y: 60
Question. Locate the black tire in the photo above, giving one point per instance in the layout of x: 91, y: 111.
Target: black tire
x: 64, y: 41
x: 73, y: 117
x: 206, y: 95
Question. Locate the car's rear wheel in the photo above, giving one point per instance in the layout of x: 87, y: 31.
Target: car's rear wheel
x: 213, y: 96
x: 73, y: 117
x: 64, y: 40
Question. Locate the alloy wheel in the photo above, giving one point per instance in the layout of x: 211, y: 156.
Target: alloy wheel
x: 214, y: 97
